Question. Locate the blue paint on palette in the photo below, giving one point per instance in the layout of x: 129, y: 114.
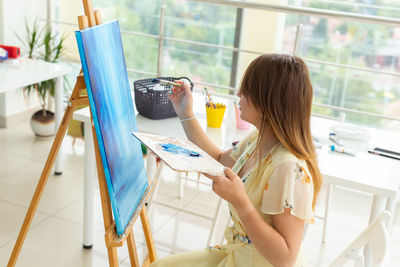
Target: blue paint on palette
x: 110, y: 99
x: 174, y: 149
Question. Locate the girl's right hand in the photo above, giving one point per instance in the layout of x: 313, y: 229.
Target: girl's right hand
x: 182, y: 100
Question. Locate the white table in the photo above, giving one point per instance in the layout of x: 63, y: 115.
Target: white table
x: 368, y: 173
x: 365, y: 172
x: 377, y: 175
x: 29, y: 71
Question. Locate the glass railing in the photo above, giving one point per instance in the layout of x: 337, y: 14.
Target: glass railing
x: 346, y: 71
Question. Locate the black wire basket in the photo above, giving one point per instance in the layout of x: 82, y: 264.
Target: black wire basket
x: 152, y: 99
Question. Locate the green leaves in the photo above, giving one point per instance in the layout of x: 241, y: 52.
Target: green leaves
x: 44, y: 45
x: 53, y: 46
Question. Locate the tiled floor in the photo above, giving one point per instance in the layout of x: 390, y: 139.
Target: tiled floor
x: 55, y: 236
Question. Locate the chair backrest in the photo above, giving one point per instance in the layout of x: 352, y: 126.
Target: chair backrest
x: 376, y: 236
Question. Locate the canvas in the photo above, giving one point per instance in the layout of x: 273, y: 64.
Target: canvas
x: 110, y: 99
x: 181, y: 154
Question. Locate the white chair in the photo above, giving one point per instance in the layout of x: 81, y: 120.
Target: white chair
x: 376, y: 237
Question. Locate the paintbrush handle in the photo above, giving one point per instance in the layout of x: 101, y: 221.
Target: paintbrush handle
x: 166, y: 82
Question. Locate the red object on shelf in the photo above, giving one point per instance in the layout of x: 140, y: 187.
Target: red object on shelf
x: 13, y: 51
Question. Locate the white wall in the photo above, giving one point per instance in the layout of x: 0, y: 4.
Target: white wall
x: 13, y: 14
x: 1, y: 22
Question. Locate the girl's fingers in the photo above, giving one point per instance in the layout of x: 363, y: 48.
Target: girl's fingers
x: 176, y: 90
x: 184, y: 86
x: 210, y: 176
x: 229, y: 173
x: 179, y: 82
x: 171, y: 94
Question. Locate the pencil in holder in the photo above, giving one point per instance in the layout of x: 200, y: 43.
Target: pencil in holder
x: 215, y: 115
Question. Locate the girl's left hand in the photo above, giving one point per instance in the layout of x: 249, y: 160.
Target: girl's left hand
x: 231, y: 188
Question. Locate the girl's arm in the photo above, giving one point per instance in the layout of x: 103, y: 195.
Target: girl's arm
x: 279, y: 244
x: 182, y: 101
x: 195, y: 133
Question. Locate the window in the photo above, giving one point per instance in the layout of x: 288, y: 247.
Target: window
x: 184, y: 20
x: 371, y: 48
x: 353, y: 64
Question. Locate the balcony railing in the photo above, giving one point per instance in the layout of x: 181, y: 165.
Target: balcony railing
x: 275, y: 8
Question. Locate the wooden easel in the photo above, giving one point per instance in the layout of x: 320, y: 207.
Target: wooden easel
x: 111, y: 238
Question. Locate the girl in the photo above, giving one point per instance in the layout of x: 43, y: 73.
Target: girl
x: 271, y: 179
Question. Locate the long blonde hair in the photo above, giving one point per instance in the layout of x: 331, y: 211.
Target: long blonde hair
x: 280, y: 87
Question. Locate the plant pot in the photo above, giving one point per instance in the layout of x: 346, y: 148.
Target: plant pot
x: 43, y: 123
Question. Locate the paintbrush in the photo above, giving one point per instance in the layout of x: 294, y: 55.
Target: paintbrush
x: 210, y: 102
x: 166, y: 83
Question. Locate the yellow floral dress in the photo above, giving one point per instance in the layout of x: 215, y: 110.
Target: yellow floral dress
x: 284, y: 182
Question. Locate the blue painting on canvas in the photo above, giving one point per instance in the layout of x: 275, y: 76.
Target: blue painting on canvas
x: 110, y: 99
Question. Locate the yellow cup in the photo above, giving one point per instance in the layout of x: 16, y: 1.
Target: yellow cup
x: 215, y: 115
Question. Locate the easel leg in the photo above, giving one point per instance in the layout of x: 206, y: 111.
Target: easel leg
x: 40, y: 186
x: 105, y: 201
x: 147, y: 233
x: 112, y: 257
x: 133, y: 256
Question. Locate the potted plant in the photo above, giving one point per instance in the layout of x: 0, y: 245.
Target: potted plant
x: 44, y: 45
